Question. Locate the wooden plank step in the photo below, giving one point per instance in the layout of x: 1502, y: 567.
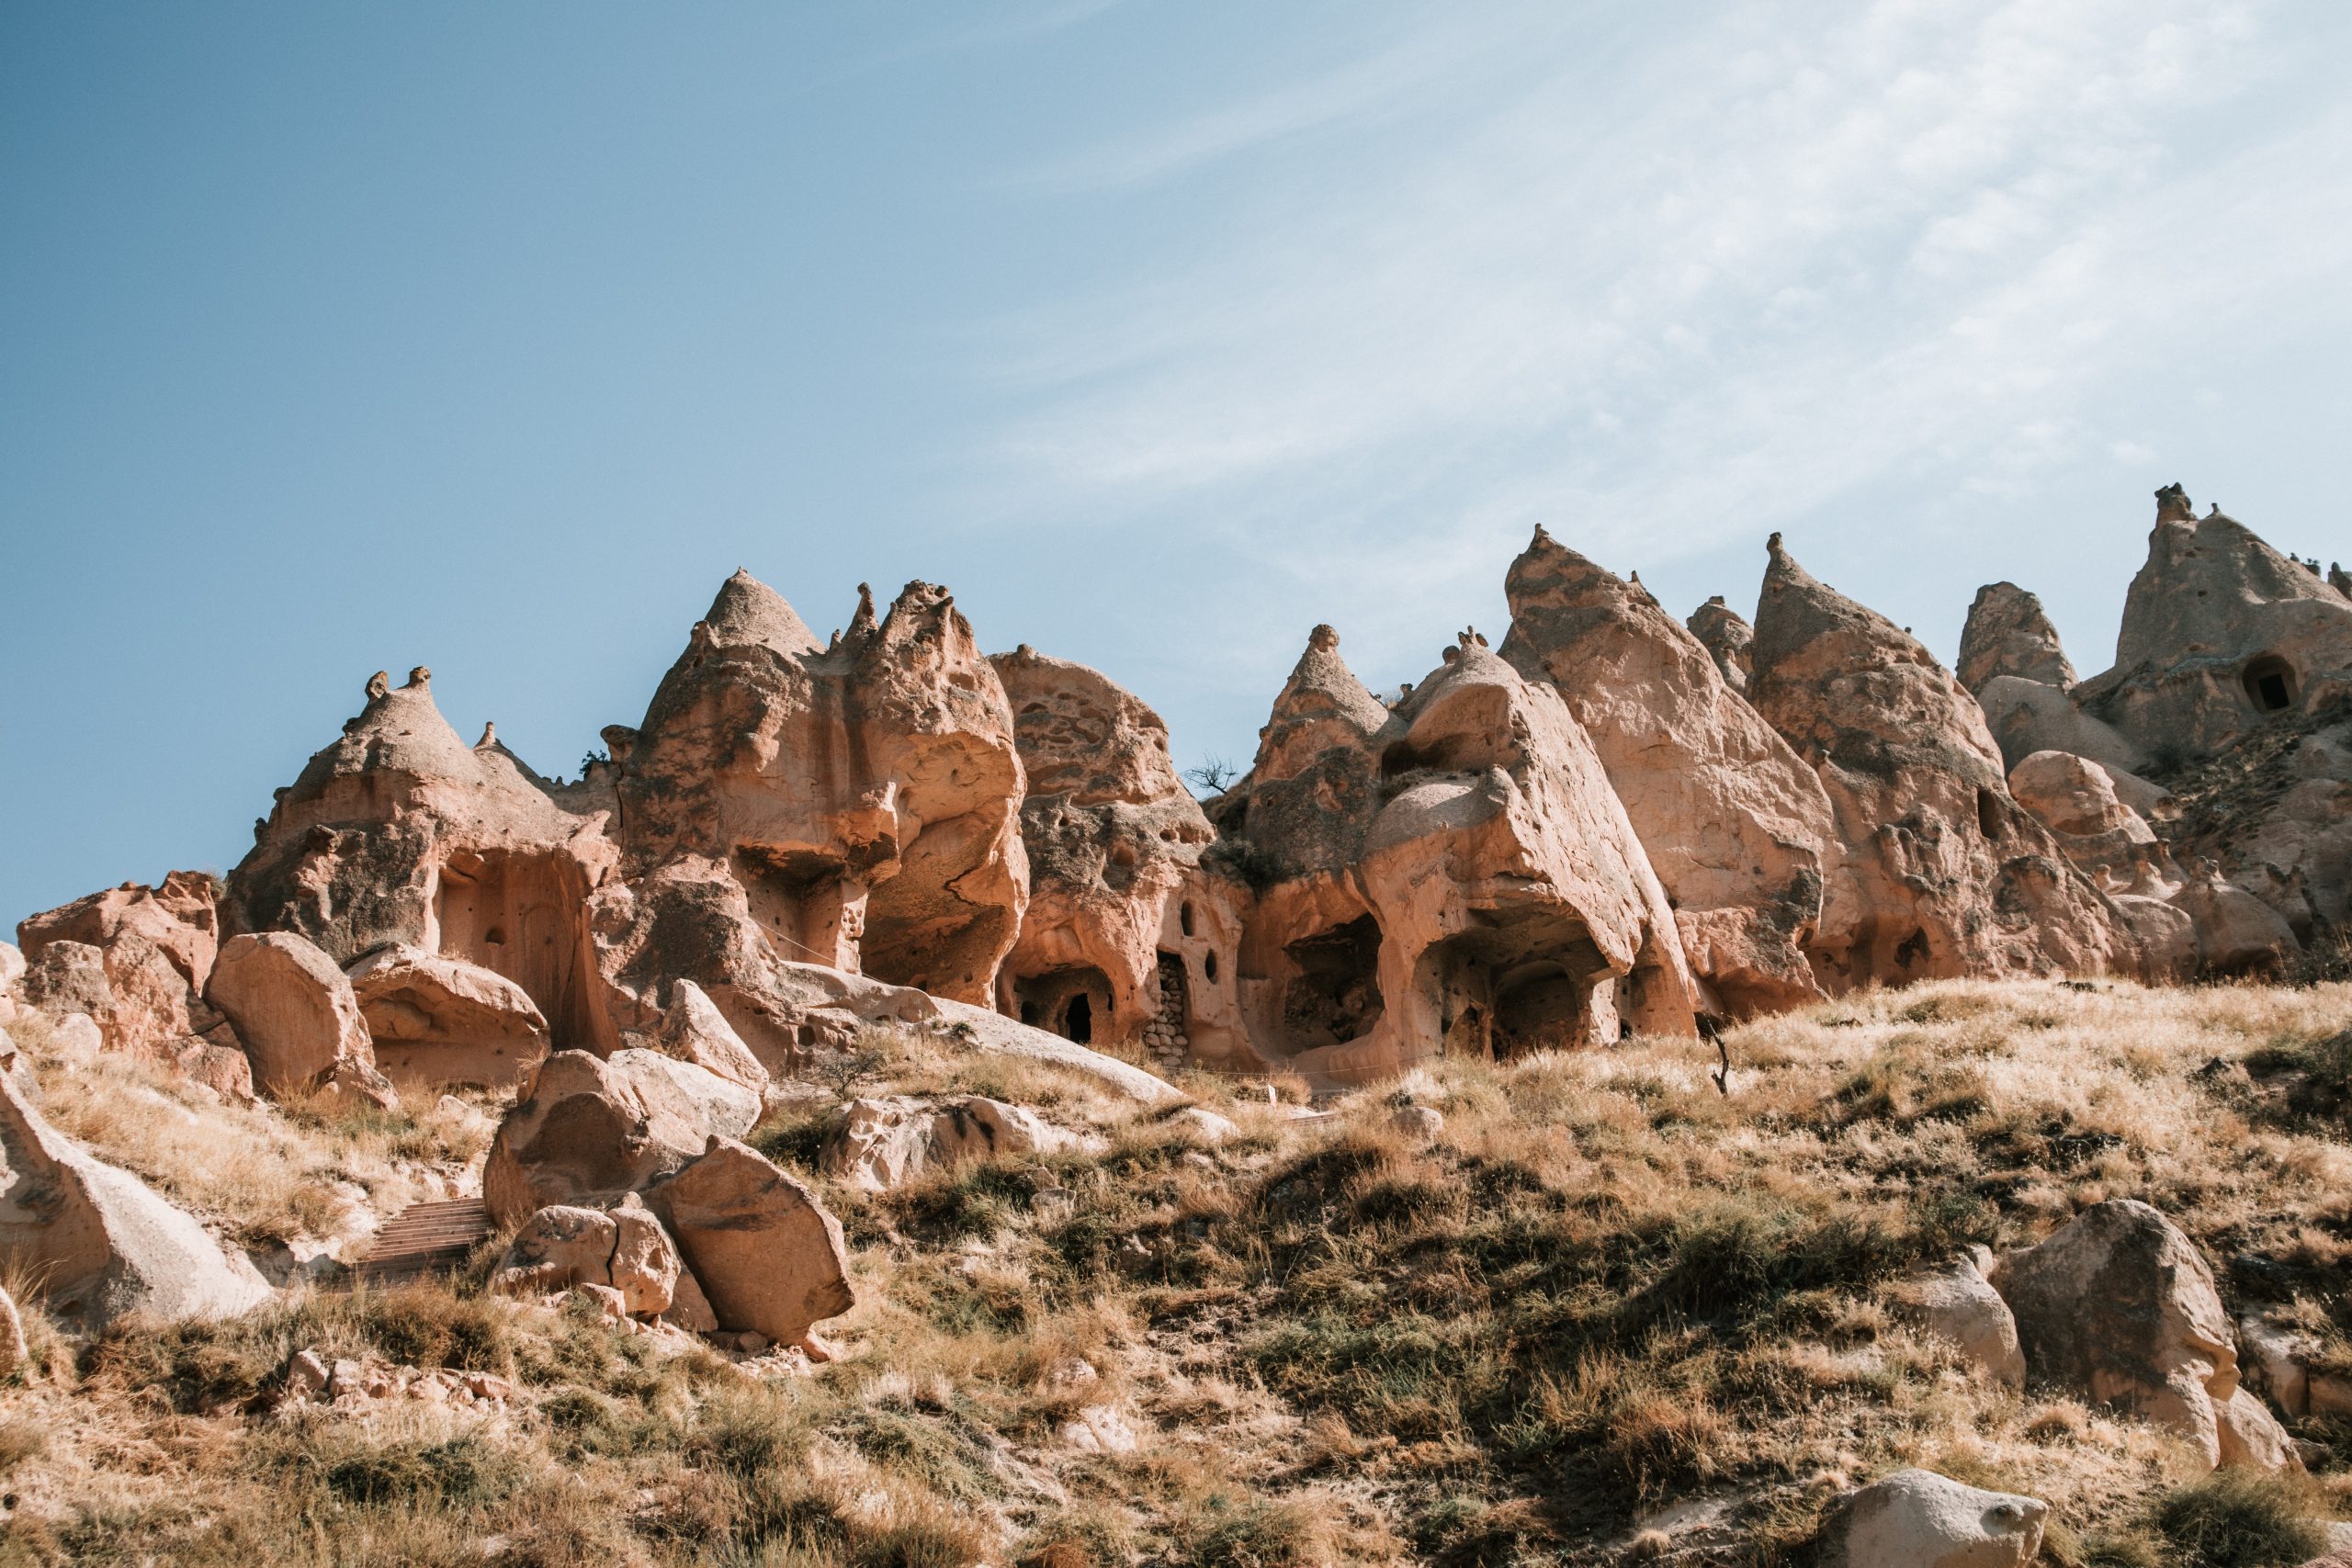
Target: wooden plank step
x: 424, y: 1236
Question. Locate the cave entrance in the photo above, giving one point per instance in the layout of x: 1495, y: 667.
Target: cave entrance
x: 524, y: 917
x: 920, y: 928
x: 808, y: 904
x: 2270, y: 683
x: 1073, y: 1003
x: 1334, y: 993
x: 1516, y: 983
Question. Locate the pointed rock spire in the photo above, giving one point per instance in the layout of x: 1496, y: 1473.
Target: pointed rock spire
x: 1322, y: 704
x: 2010, y: 634
x: 748, y: 611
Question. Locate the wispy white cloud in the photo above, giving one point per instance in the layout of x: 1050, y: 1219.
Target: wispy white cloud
x: 1707, y: 284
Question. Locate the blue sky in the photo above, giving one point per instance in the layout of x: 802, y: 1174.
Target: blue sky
x: 492, y: 337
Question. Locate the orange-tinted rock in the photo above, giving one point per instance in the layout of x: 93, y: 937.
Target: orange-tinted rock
x: 1113, y: 838
x: 1735, y: 825
x: 592, y: 1130
x: 864, y: 796
x: 399, y: 834
x: 1455, y: 874
x: 155, y: 947
x: 1944, y: 875
x: 293, y: 1010
x: 438, y: 1023
x: 768, y: 1255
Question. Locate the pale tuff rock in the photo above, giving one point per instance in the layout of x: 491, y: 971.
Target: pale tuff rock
x: 437, y: 1021
x: 624, y: 1248
x: 2219, y: 632
x: 155, y: 948
x: 2121, y: 1306
x: 1955, y: 1302
x: 294, y: 1010
x: 593, y: 1130
x: 1916, y: 1518
x: 1455, y: 873
x: 1113, y: 838
x: 693, y: 1030
x: 2026, y: 716
x: 866, y: 797
x: 2237, y: 933
x: 768, y: 1255
x: 1944, y: 875
x: 98, y: 1240
x: 882, y: 1141
x: 2106, y: 840
x: 2008, y: 634
x: 1729, y: 640
x: 401, y: 835
x: 1735, y: 825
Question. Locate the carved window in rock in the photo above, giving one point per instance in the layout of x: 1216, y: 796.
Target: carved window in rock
x: 2269, y: 683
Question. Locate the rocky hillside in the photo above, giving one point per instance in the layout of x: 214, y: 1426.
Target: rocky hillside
x: 1711, y: 1092
x: 1579, y: 1307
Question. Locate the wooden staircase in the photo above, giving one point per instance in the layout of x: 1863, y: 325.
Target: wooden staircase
x: 424, y: 1238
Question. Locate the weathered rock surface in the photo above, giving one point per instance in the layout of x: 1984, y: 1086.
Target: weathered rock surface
x: 768, y: 1255
x: 293, y: 1010
x: 884, y: 1141
x: 623, y: 1248
x: 1455, y: 873
x: 1117, y: 909
x: 592, y: 1130
x: 1736, y: 827
x: 693, y: 1030
x: 437, y: 1023
x: 1956, y: 1302
x: 1729, y: 640
x: 2010, y: 634
x: 153, y: 949
x: 2120, y: 1304
x: 1916, y: 1518
x: 866, y: 796
x: 2220, y: 633
x: 1944, y: 875
x: 98, y: 1240
x: 401, y: 835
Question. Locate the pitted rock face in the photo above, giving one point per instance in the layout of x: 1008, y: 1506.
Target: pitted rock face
x: 1944, y: 875
x: 2008, y: 634
x: 155, y: 949
x: 866, y: 796
x: 1729, y: 640
x: 1736, y: 826
x: 1113, y: 837
x: 1459, y: 877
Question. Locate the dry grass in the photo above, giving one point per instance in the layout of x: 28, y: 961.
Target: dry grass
x: 313, y: 1170
x: 1605, y: 1287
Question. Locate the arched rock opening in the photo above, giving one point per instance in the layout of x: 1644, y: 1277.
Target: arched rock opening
x: 1530, y: 981
x: 1332, y: 994
x: 524, y: 917
x: 2269, y: 683
x: 1074, y: 1003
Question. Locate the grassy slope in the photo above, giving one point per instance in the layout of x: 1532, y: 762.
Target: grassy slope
x: 1604, y: 1291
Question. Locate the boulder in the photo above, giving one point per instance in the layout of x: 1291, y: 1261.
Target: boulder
x: 1736, y: 827
x: 2025, y: 717
x: 592, y: 1130
x: 69, y: 978
x: 99, y: 1241
x: 155, y: 948
x: 2106, y: 840
x: 882, y: 1142
x: 2237, y: 933
x: 1956, y: 1302
x: 693, y: 1030
x: 623, y: 1247
x: 2120, y: 1307
x: 439, y: 1022
x: 2008, y: 634
x: 1944, y: 875
x: 2247, y: 1434
x: 293, y: 1010
x: 768, y: 1255
x: 1916, y: 1518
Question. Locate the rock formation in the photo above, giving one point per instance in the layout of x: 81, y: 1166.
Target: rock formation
x: 593, y: 1130
x: 2121, y: 1305
x: 2220, y: 632
x: 769, y: 1257
x: 97, y: 1241
x: 1916, y: 1518
x: 2008, y: 634
x: 1738, y: 829
x: 440, y: 1022
x: 1943, y: 874
x: 1125, y: 940
x: 296, y: 1013
x: 136, y: 959
x: 885, y: 1141
x: 1729, y: 641
x: 1453, y: 874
